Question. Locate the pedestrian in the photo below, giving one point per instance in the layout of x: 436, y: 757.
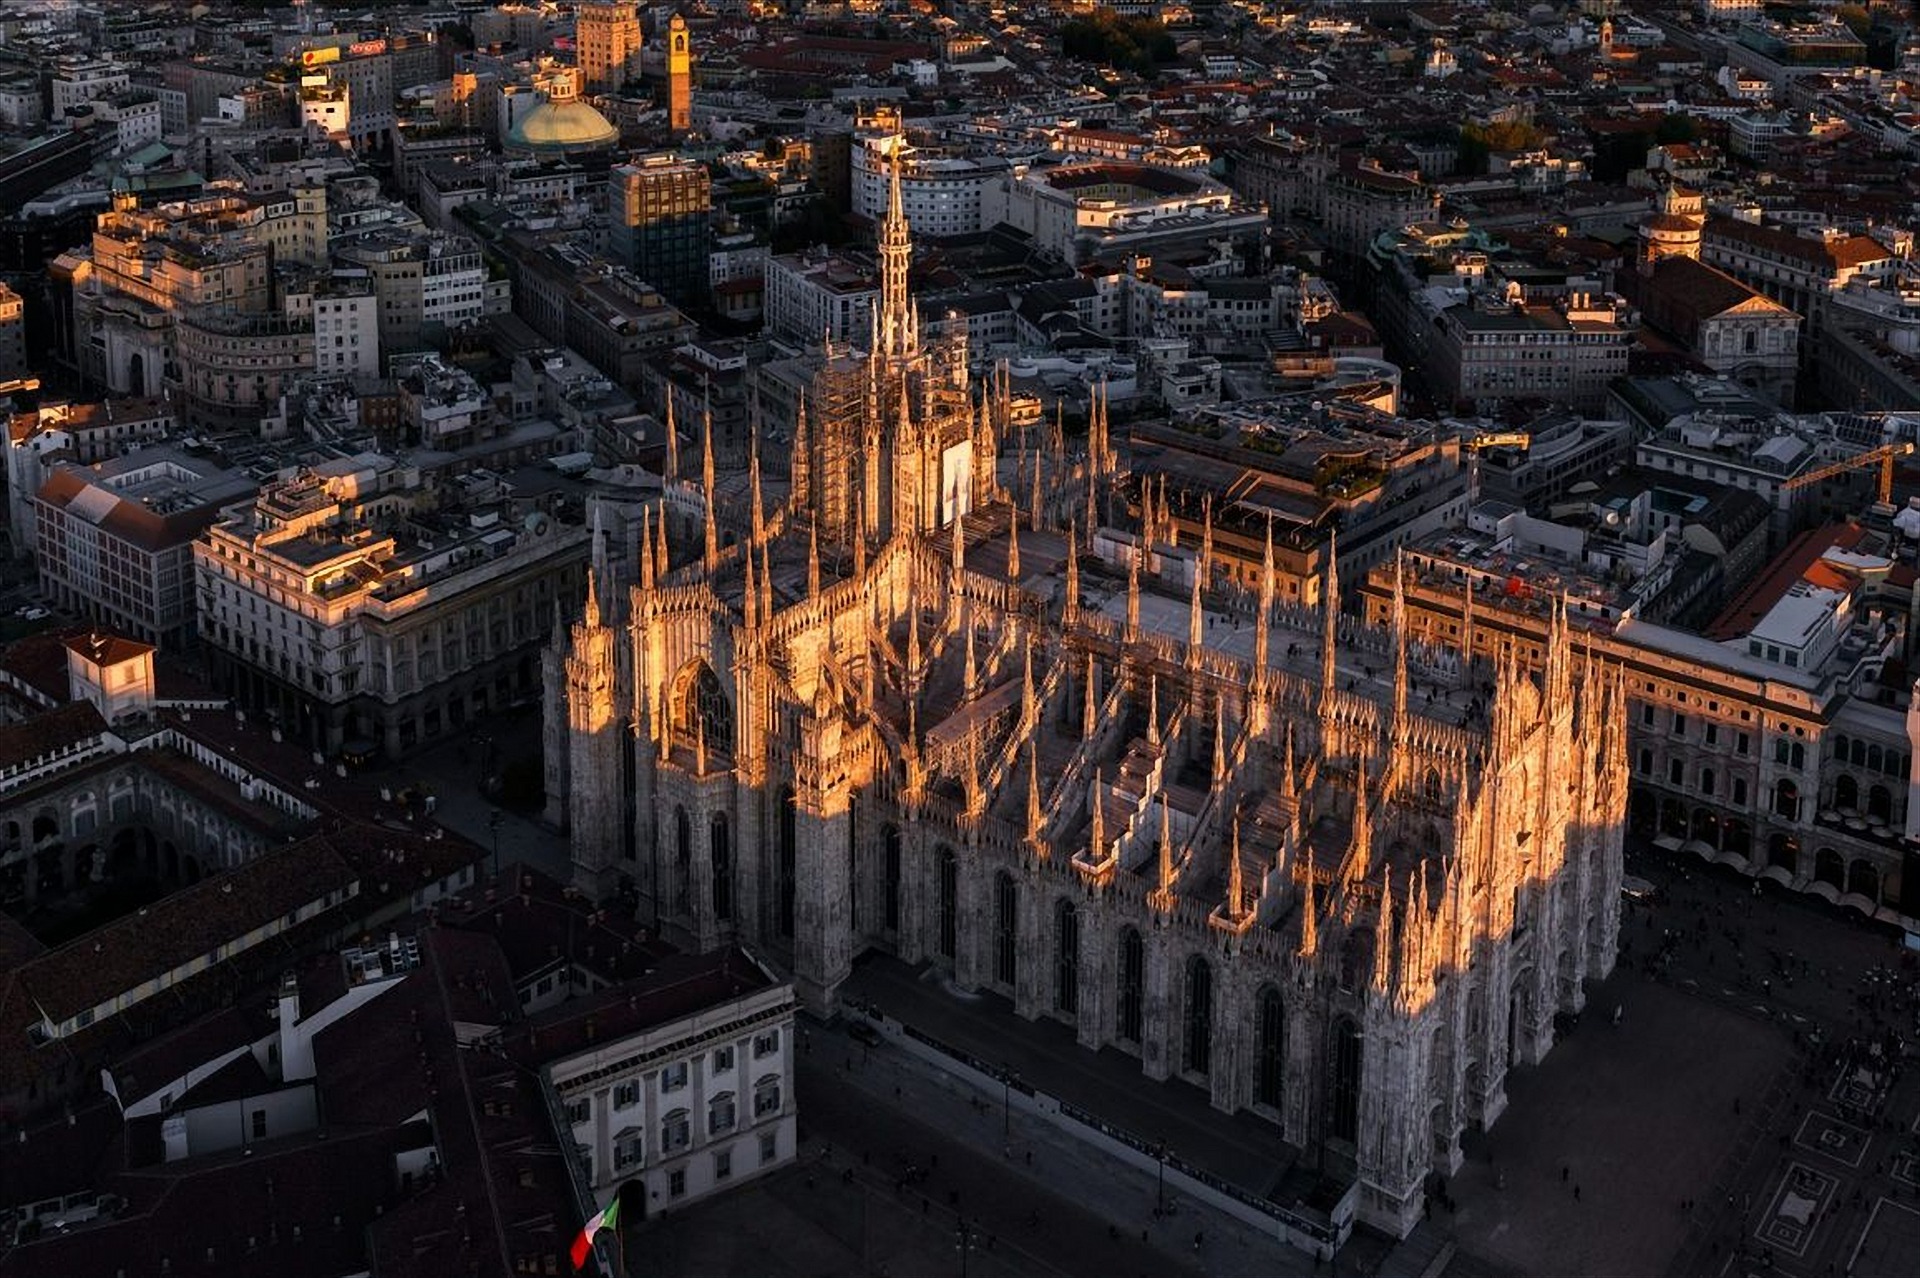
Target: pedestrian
x: 1576, y: 1193
x: 1619, y: 1010
x: 1565, y: 1171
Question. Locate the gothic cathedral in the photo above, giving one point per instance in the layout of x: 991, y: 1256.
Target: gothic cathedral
x: 919, y: 707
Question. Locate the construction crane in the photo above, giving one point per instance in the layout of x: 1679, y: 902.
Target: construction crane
x: 1884, y: 456
x: 1499, y: 439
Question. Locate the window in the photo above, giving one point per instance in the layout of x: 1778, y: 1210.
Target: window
x: 1711, y: 734
x: 1676, y: 772
x: 259, y: 1124
x: 1646, y: 762
x: 720, y: 1113
x: 1706, y: 780
x: 677, y: 1183
x: 1741, y: 744
x: 766, y: 1044
x: 674, y: 1133
x: 722, y: 1059
x: 1006, y: 927
x: 1739, y: 791
x: 722, y: 1164
x: 627, y: 1148
x: 673, y: 1077
x: 626, y: 1095
x: 579, y: 1111
x: 1679, y: 724
x: 766, y: 1096
x: 1132, y: 984
x: 769, y: 1147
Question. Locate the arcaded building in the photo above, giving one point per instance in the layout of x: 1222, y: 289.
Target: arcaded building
x: 1339, y: 879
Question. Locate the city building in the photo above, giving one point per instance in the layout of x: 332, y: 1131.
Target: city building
x: 13, y: 336
x: 56, y: 433
x: 347, y: 607
x: 816, y: 296
x: 1106, y: 211
x: 1730, y: 328
x: 661, y: 209
x: 944, y: 191
x: 113, y: 541
x: 606, y: 44
x: 997, y: 735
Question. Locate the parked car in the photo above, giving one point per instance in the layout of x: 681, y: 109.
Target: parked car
x: 864, y: 1032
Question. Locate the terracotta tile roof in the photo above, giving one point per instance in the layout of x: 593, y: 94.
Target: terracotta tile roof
x: 104, y: 648
x: 69, y: 725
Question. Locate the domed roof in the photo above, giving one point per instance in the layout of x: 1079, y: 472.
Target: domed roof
x: 560, y: 127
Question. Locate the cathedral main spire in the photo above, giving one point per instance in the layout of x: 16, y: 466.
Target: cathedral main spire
x: 898, y: 336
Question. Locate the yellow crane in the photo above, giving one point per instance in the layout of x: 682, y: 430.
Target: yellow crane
x: 1884, y: 456
x: 1499, y: 439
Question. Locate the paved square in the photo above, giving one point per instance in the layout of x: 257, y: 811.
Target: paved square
x: 1640, y: 1116
x: 1834, y: 1137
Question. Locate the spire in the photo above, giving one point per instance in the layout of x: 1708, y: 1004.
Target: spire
x: 1330, y: 639
x: 895, y: 336
x: 759, y: 508
x: 1235, y: 892
x: 1013, y: 546
x: 592, y: 615
x: 813, y: 562
x: 1089, y: 703
x: 1309, y: 909
x: 1153, y: 709
x: 1290, y: 787
x: 1029, y: 709
x: 956, y: 578
x: 1360, y: 846
x: 766, y: 582
x: 1133, y: 594
x: 1036, y: 816
x: 1165, y: 878
x: 1219, y: 740
x: 750, y: 595
x: 712, y: 553
x: 1383, y: 938
x: 800, y: 460
x: 646, y: 550
x: 1073, y: 568
x: 673, y: 441
x: 1096, y: 819
x: 1195, y: 623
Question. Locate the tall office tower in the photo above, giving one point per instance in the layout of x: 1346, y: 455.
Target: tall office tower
x: 679, y: 76
x: 662, y: 210
x: 607, y: 39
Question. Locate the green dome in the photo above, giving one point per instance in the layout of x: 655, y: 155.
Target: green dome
x: 557, y: 128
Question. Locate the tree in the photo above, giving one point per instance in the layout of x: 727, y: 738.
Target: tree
x: 1676, y: 128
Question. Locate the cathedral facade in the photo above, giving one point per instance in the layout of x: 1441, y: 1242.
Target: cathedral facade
x: 934, y: 704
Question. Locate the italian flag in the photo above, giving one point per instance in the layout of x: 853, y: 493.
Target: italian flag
x: 609, y: 1218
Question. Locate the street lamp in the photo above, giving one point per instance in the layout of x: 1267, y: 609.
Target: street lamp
x: 493, y: 825
x: 1006, y: 1104
x: 1160, y: 1196
x: 965, y: 1239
